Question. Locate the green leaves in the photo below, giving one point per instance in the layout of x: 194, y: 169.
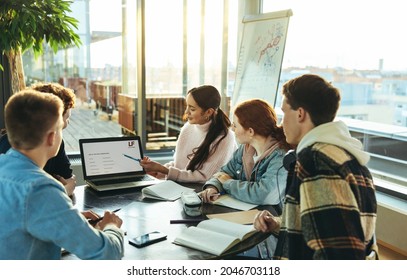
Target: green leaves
x: 27, y: 23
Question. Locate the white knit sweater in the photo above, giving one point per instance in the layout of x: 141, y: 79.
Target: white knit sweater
x: 190, y: 137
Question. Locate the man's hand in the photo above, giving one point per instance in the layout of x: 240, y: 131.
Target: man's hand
x: 69, y: 183
x: 266, y: 222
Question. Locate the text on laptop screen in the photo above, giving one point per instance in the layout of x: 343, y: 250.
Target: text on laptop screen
x: 115, y: 157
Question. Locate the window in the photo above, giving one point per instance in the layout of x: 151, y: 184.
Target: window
x: 362, y: 53
x: 184, y: 48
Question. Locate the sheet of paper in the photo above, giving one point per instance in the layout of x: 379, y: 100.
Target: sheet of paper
x: 228, y: 201
x: 240, y: 217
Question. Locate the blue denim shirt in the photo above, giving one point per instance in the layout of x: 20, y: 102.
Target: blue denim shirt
x: 267, y: 182
x: 37, y: 218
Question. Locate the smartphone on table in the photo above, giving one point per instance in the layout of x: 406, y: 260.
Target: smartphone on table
x: 147, y: 239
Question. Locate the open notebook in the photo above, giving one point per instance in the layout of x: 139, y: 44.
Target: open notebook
x: 214, y: 236
x: 114, y: 163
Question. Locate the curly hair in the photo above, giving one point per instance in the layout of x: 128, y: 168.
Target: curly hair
x: 67, y: 95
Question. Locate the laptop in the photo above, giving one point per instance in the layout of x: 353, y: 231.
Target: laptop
x: 113, y: 163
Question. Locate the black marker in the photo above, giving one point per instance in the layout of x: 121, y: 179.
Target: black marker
x: 186, y: 221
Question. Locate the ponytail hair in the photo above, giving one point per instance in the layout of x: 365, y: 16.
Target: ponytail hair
x: 207, y: 97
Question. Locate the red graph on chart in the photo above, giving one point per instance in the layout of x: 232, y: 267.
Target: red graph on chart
x: 267, y: 45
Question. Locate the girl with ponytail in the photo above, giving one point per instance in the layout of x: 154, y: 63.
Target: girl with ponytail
x: 205, y: 142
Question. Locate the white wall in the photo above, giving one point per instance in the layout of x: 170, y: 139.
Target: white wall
x: 391, y: 225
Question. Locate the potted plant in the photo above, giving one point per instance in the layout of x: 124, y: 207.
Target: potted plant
x: 26, y: 24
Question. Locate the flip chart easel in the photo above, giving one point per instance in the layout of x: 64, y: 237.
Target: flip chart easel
x: 260, y: 56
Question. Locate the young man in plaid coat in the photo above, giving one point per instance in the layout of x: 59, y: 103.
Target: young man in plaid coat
x: 330, y: 203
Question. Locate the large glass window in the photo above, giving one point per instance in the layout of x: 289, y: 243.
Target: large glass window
x: 359, y: 48
x: 183, y: 48
x: 187, y: 43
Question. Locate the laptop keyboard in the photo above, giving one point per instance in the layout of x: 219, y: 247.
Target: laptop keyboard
x: 125, y: 180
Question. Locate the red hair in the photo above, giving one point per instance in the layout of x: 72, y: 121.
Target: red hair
x: 261, y: 117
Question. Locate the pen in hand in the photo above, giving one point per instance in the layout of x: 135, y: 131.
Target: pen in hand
x: 133, y: 158
x: 217, y: 194
x: 94, y: 222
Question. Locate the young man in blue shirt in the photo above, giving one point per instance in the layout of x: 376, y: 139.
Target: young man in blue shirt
x: 37, y: 217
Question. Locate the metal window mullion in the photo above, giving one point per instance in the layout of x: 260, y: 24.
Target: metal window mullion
x: 141, y: 74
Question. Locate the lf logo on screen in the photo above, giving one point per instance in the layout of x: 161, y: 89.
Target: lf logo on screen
x: 130, y: 144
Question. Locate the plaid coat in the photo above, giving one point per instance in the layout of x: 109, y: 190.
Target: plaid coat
x: 330, y: 206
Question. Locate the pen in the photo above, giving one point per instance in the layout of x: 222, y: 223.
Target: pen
x: 217, y: 194
x: 94, y: 222
x: 186, y: 221
x: 130, y: 157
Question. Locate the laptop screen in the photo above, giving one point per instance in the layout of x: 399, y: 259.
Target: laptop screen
x: 104, y: 157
